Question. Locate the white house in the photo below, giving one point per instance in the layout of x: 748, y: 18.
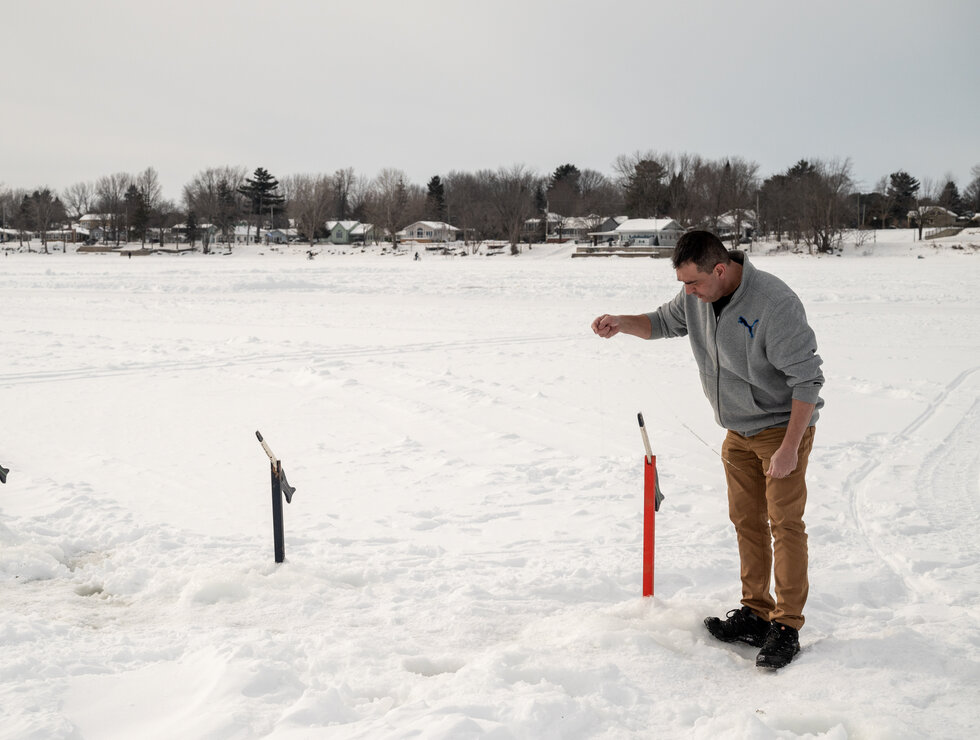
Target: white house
x: 642, y: 232
x: 429, y: 231
x: 245, y: 234
x: 735, y: 223
x: 562, y: 228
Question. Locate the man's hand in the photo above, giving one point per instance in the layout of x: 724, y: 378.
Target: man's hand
x: 607, y: 326
x: 783, y: 462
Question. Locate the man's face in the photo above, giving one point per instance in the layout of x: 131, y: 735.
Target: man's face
x: 706, y: 286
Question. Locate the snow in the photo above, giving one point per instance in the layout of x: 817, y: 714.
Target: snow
x: 463, y: 549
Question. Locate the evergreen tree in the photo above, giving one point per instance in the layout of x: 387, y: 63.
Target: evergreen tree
x: 645, y: 192
x: 435, y: 200
x: 565, y: 194
x: 191, y: 227
x: 41, y: 210
x: 262, y: 192
x: 25, y: 219
x: 950, y: 198
x: 902, y: 190
x: 567, y: 173
x: 137, y: 213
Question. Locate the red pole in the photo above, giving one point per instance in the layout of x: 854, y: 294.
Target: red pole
x: 649, y: 520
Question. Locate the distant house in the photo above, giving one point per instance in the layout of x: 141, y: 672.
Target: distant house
x: 245, y: 234
x: 429, y: 231
x: 533, y: 226
x: 362, y: 233
x: 932, y: 216
x: 203, y: 232
x: 605, y: 232
x: 611, y: 223
x: 281, y: 236
x: 91, y: 220
x: 7, y: 235
x: 87, y: 234
x: 739, y: 224
x: 576, y: 227
x: 561, y: 228
x: 340, y: 232
x: 641, y: 232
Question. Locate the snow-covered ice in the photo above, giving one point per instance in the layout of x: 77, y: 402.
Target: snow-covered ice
x: 463, y: 552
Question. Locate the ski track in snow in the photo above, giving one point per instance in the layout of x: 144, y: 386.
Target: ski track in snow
x: 463, y: 548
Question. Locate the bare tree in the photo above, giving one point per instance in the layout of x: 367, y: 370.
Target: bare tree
x: 388, y: 201
x: 309, y: 199
x: 468, y: 203
x: 971, y: 193
x: 512, y: 199
x: 111, y: 193
x: 214, y: 195
x: 78, y: 199
x: 812, y: 201
x: 350, y: 190
x: 601, y: 198
x: 10, y: 203
x: 148, y: 183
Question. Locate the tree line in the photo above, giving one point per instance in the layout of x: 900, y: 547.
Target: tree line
x: 811, y: 202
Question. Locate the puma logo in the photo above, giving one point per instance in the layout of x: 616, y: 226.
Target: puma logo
x: 751, y: 327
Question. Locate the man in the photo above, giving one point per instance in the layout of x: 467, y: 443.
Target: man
x: 760, y: 371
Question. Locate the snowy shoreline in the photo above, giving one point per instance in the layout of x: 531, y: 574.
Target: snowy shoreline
x: 888, y: 242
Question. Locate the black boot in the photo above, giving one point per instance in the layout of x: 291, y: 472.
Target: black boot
x: 781, y: 646
x: 741, y: 624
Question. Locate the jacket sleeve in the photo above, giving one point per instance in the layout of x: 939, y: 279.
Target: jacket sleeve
x: 670, y: 320
x: 791, y: 347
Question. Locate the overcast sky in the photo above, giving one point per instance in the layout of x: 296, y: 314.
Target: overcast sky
x: 93, y: 87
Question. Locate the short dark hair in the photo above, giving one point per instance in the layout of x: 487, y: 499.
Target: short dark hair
x: 702, y: 248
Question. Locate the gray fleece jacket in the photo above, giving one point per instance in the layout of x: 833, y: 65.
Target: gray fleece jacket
x: 758, y: 355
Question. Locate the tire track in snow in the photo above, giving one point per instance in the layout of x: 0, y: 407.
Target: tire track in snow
x: 268, y: 358
x: 953, y: 446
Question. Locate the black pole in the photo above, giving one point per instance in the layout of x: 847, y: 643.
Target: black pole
x: 277, y: 526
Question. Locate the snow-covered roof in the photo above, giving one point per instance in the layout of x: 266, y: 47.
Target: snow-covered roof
x: 933, y: 210
x: 728, y: 217
x: 346, y: 225
x: 645, y: 225
x: 434, y: 225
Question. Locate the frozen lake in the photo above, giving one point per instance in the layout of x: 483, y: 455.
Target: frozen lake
x: 463, y: 550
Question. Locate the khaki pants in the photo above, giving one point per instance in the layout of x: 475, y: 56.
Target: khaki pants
x: 768, y: 518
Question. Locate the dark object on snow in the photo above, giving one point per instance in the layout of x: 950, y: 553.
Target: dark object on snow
x: 280, y: 488
x: 742, y: 625
x: 781, y: 646
x: 3, y: 474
